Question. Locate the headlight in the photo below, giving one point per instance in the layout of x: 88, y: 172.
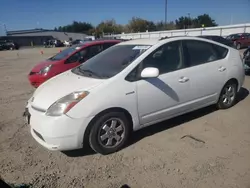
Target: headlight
x: 63, y: 105
x: 45, y: 70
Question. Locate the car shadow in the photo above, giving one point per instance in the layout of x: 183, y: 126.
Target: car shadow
x: 242, y: 94
x: 171, y: 123
x: 85, y: 151
x: 159, y: 127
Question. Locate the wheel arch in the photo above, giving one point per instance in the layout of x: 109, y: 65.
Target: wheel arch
x: 112, y: 109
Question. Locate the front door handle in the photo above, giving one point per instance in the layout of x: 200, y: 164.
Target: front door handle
x: 183, y: 79
x: 221, y: 69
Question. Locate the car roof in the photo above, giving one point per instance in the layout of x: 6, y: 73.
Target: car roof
x: 140, y: 42
x: 210, y: 36
x: 93, y: 42
x: 154, y: 41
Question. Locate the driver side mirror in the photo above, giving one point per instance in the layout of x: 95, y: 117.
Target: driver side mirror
x: 150, y: 72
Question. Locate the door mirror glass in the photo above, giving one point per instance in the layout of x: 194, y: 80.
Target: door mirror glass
x: 150, y: 72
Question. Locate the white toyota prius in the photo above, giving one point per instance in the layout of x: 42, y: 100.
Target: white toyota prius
x: 129, y: 86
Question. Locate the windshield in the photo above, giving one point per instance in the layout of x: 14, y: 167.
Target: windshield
x: 65, y: 53
x: 111, y: 61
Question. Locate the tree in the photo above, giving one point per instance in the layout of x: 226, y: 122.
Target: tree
x: 109, y: 27
x: 161, y: 26
x: 205, y: 20
x: 186, y: 22
x: 140, y: 25
x: 78, y: 27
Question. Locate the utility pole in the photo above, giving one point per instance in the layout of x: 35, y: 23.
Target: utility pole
x: 5, y: 29
x: 189, y: 20
x: 166, y: 8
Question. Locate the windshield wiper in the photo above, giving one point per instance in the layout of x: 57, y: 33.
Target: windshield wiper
x: 90, y: 72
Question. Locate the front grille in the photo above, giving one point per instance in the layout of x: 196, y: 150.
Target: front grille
x: 39, y: 135
x: 31, y: 73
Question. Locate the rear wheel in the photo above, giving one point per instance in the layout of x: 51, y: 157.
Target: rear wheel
x: 109, y: 133
x: 228, y: 95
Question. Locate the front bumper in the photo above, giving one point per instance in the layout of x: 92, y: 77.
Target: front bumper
x: 57, y: 133
x: 36, y: 80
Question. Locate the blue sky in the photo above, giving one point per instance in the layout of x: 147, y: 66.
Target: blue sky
x: 28, y: 14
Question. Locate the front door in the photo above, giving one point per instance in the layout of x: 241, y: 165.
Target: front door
x: 164, y: 97
x: 74, y: 60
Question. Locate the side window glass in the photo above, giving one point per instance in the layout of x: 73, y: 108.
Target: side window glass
x: 78, y: 57
x: 200, y: 52
x: 107, y: 45
x: 166, y: 58
x: 221, y: 51
x: 94, y: 50
x: 74, y: 58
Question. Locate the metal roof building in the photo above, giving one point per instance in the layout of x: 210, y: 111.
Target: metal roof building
x: 45, y: 32
x: 38, y: 36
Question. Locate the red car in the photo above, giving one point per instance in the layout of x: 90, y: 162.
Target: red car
x: 67, y: 59
x: 240, y: 40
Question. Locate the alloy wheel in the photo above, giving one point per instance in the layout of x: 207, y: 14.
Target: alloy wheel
x: 111, y: 133
x: 228, y: 95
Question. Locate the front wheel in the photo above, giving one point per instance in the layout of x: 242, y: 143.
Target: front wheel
x: 109, y: 133
x: 228, y: 96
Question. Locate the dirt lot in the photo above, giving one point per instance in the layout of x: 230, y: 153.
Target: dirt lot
x: 155, y: 157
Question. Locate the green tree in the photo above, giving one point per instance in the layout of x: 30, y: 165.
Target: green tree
x: 140, y: 25
x: 78, y: 27
x: 184, y: 22
x: 109, y: 27
x: 161, y: 26
x: 205, y: 20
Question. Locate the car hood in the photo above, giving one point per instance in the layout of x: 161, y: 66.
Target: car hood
x: 43, y: 64
x: 60, y: 86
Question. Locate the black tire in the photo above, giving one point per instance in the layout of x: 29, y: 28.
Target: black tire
x: 225, y: 101
x: 98, y: 128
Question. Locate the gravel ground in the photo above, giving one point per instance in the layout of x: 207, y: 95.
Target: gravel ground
x: 157, y: 156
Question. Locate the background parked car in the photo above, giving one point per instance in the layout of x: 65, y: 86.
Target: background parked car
x: 67, y: 59
x: 240, y: 40
x: 8, y: 45
x: 219, y: 39
x: 53, y: 43
x: 78, y: 41
x: 67, y: 43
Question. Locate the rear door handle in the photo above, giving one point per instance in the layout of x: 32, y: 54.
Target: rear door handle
x: 183, y: 79
x: 221, y: 69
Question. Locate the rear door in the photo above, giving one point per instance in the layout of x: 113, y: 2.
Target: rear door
x: 244, y: 40
x: 207, y: 71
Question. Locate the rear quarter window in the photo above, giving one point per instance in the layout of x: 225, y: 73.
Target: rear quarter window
x: 221, y: 51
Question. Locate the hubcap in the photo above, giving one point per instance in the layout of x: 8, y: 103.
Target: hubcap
x: 111, y: 133
x: 228, y: 95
